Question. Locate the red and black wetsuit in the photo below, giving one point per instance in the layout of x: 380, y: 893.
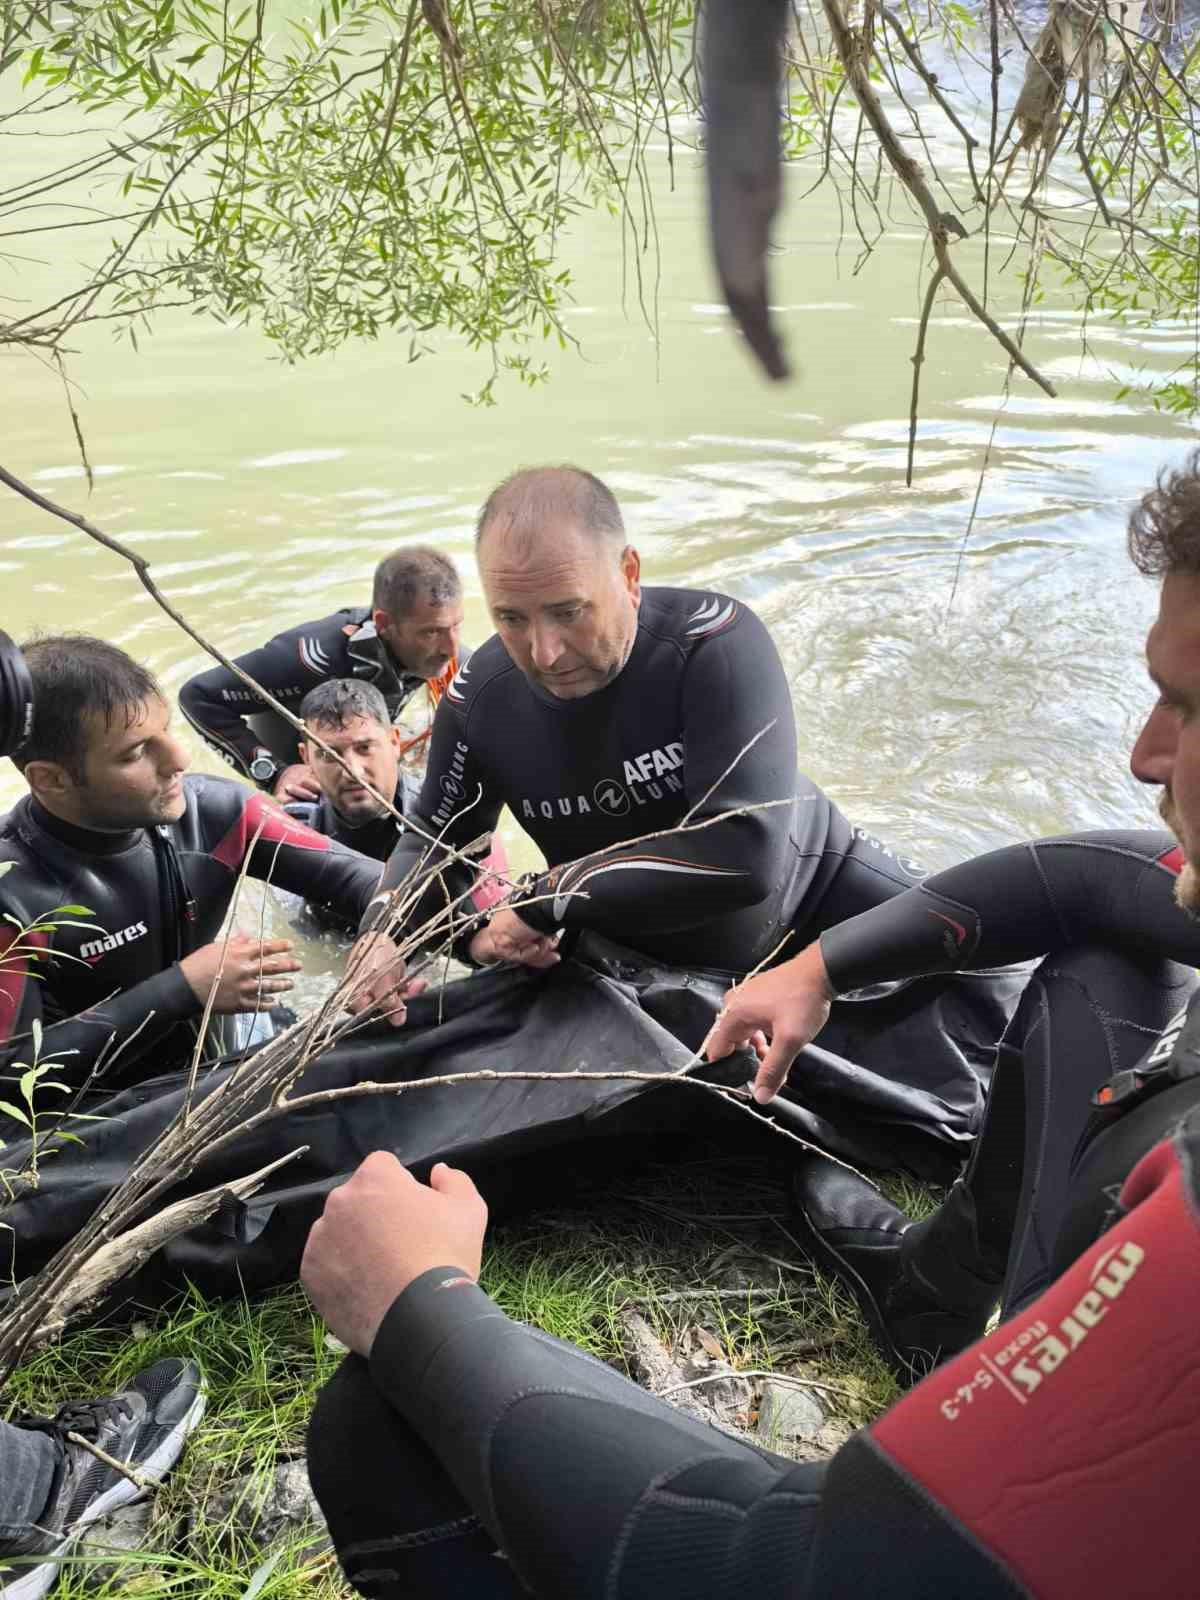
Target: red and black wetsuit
x: 1045, y: 1461
x: 105, y: 972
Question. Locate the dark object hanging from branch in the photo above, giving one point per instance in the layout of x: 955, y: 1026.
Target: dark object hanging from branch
x: 743, y: 71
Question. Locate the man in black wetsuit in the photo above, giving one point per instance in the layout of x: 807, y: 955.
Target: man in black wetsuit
x: 1044, y: 1460
x: 406, y: 643
x: 351, y: 719
x: 1108, y: 1029
x: 112, y: 824
x: 603, y: 712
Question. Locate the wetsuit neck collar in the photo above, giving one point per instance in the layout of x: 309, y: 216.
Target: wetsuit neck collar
x: 366, y: 646
x: 87, y: 841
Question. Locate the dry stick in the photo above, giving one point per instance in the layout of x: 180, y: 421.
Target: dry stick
x: 138, y: 1479
x: 760, y: 1372
x: 206, y: 1014
x: 850, y: 49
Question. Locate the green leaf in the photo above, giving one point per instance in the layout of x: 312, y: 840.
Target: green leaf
x: 73, y: 911
x: 7, y: 1107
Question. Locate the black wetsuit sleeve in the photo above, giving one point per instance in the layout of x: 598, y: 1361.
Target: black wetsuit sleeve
x: 739, y: 751
x: 553, y: 1456
x: 133, y: 1020
x: 456, y: 806
x: 217, y: 702
x: 1020, y: 903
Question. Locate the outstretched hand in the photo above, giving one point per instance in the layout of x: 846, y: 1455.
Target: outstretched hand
x: 507, y: 938
x: 790, y: 1003
x: 377, y: 973
x: 381, y: 1230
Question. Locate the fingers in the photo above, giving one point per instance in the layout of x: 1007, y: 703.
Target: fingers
x: 772, y: 1073
x: 539, y: 956
x: 455, y: 1183
x: 726, y: 1034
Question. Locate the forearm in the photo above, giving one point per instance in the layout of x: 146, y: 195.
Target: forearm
x: 132, y: 1023
x: 504, y: 1407
x: 207, y: 701
x: 680, y: 881
x: 1018, y: 904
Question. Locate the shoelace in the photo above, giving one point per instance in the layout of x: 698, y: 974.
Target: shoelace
x: 79, y: 1416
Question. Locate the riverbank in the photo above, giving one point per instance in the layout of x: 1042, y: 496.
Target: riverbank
x: 686, y: 1277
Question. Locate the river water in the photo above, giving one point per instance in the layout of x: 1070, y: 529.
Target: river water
x: 265, y: 495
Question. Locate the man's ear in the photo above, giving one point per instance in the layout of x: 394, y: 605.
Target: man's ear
x: 302, y: 749
x: 631, y: 570
x: 49, y: 778
x: 397, y: 737
x: 383, y: 621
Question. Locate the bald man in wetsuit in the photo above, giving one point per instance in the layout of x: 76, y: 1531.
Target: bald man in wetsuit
x: 1049, y: 1458
x: 604, y: 713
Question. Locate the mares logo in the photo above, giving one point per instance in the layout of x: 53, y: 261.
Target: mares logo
x: 95, y: 948
x: 1110, y: 1277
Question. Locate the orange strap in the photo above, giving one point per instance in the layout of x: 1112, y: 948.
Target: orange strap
x: 435, y: 688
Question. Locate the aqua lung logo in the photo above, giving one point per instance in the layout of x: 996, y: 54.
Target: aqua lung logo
x: 610, y: 797
x: 453, y: 787
x: 651, y: 776
x: 95, y: 948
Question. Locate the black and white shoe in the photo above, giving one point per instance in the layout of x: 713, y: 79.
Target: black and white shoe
x: 143, y: 1426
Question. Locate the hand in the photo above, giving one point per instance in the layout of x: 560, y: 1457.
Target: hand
x: 251, y: 978
x: 381, y: 1230
x: 296, y: 783
x: 507, y: 938
x: 377, y: 971
x: 791, y: 1002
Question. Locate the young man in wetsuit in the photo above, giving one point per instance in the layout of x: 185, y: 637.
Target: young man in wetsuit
x: 112, y: 824
x: 351, y: 719
x: 406, y: 643
x: 1044, y: 1460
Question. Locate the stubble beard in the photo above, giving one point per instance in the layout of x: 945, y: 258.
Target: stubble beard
x: 1187, y: 884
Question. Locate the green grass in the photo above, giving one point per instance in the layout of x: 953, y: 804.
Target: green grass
x: 663, y: 1240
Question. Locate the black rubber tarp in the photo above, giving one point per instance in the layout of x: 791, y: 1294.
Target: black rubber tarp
x: 898, y: 1082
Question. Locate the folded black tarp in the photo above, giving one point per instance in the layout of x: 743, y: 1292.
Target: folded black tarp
x: 898, y: 1083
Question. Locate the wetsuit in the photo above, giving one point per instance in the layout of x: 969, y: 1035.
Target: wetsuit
x: 1046, y: 1460
x: 1020, y: 1468
x: 375, y: 838
x: 342, y: 645
x: 1118, y: 960
x: 109, y: 975
x: 697, y: 724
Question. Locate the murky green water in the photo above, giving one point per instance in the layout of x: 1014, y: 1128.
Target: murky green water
x: 265, y: 495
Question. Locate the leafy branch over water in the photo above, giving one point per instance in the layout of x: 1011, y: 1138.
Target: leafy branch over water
x: 409, y: 165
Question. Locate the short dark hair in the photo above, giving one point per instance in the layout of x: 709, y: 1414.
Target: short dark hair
x: 340, y: 700
x: 534, y: 496
x: 413, y: 574
x: 1164, y: 530
x: 75, y: 676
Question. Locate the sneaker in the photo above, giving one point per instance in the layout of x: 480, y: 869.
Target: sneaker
x: 144, y: 1426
